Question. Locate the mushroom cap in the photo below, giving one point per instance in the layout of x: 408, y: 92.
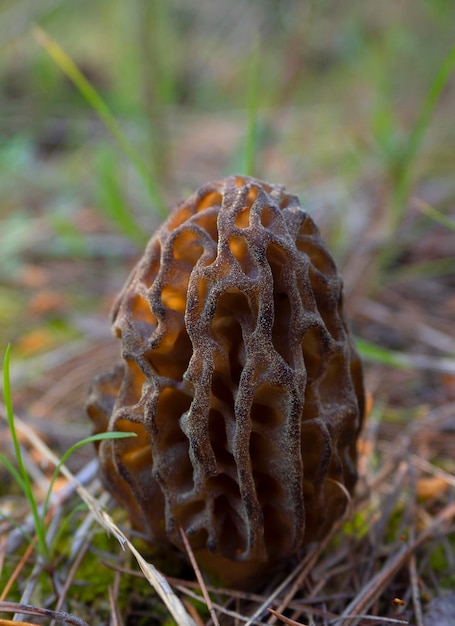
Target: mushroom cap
x: 240, y: 379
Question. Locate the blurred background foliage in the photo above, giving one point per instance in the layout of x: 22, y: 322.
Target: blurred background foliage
x: 338, y: 91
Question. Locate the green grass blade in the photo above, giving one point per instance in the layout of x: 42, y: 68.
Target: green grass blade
x: 371, y: 352
x: 391, y: 358
x: 436, y: 215
x: 417, y: 135
x: 251, y: 143
x: 13, y: 471
x: 97, y: 103
x: 25, y: 479
x: 112, y: 202
x: 69, y: 452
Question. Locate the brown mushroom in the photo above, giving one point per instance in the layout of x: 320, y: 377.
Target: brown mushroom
x: 240, y: 379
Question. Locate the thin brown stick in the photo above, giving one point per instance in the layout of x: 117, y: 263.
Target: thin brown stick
x: 116, y: 618
x: 415, y: 591
x: 17, y: 570
x: 27, y: 609
x: 200, y: 580
x: 221, y: 609
x: 9, y: 622
x: 284, y: 619
x: 192, y: 610
x: 371, y: 618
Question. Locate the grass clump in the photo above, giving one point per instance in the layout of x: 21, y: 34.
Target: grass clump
x: 21, y: 475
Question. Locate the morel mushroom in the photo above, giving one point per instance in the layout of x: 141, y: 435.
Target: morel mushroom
x: 240, y: 379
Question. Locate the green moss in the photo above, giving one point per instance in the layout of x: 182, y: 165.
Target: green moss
x: 439, y: 562
x: 358, y: 525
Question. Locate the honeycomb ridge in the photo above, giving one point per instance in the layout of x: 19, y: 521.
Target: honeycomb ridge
x: 239, y: 378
